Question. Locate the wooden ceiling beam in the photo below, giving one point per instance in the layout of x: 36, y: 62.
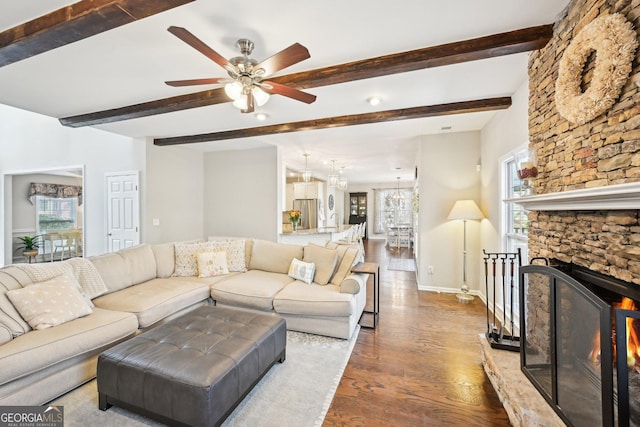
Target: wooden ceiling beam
x: 75, y: 22
x: 489, y: 104
x: 517, y: 41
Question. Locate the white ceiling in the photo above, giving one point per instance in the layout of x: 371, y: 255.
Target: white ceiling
x: 129, y: 64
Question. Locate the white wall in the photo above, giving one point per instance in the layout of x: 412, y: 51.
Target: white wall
x: 506, y: 133
x: 447, y: 172
x: 243, y: 193
x: 174, y: 194
x: 31, y: 142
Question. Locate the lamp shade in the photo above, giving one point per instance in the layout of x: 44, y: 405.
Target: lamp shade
x: 465, y: 209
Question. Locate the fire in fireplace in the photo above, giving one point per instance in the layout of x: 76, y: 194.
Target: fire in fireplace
x: 575, y: 324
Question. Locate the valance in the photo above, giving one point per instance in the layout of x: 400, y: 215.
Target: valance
x: 58, y: 191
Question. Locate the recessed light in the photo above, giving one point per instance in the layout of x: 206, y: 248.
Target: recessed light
x: 261, y: 116
x: 374, y: 100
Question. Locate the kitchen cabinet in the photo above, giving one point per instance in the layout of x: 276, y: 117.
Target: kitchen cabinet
x: 307, y: 190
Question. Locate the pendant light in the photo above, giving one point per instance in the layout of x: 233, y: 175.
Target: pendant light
x: 397, y: 196
x: 306, y: 175
x: 342, y: 181
x: 332, y: 179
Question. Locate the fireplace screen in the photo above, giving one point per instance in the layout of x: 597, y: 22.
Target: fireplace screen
x: 566, y: 345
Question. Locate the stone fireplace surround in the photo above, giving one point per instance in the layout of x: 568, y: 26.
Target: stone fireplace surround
x: 587, y: 200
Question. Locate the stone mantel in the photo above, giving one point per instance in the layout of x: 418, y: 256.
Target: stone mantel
x: 610, y: 197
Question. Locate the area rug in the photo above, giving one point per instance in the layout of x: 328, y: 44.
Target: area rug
x: 297, y: 392
x: 402, y: 264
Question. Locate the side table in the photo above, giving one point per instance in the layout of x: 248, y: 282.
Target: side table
x: 374, y: 269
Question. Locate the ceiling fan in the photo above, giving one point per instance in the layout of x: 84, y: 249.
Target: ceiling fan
x: 245, y: 84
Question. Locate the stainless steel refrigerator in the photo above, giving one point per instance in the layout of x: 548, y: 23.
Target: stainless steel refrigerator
x: 308, y: 212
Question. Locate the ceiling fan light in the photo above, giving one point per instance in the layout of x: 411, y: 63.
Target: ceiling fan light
x: 260, y: 96
x: 233, y: 90
x: 241, y: 102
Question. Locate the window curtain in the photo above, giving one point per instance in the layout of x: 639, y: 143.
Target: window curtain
x: 379, y: 211
x: 57, y: 191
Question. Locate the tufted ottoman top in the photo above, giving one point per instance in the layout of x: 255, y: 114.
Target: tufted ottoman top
x: 201, y: 362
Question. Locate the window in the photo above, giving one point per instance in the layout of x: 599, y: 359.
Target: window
x: 515, y: 230
x: 393, y: 207
x: 55, y: 214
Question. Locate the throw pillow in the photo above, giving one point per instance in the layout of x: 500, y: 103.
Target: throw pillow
x: 235, y: 254
x: 212, y: 264
x: 348, y: 258
x: 50, y: 303
x: 301, y: 270
x: 186, y: 263
x: 324, y: 259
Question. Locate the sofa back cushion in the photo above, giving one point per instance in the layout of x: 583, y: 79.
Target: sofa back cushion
x: 140, y: 261
x: 12, y: 278
x: 325, y: 260
x: 348, y: 256
x: 114, y: 271
x: 165, y: 254
x: 274, y: 257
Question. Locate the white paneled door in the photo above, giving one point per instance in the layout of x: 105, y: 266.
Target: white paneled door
x: 123, y: 211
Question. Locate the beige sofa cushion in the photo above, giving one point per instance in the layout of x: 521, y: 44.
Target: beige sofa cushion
x: 274, y: 257
x: 114, y: 271
x: 5, y: 334
x: 347, y: 258
x: 314, y: 300
x: 165, y: 259
x: 37, y: 350
x: 325, y: 260
x: 50, y: 303
x: 12, y: 278
x: 254, y: 289
x: 140, y: 261
x: 155, y: 299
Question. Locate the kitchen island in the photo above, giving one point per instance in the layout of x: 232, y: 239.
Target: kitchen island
x: 319, y: 236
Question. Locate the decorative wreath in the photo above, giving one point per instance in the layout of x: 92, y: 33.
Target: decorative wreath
x: 613, y: 39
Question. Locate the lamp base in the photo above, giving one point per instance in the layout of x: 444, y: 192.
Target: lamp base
x: 465, y: 298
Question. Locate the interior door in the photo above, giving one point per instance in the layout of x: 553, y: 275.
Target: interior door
x: 123, y: 211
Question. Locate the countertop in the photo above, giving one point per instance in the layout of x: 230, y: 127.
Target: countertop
x: 321, y: 230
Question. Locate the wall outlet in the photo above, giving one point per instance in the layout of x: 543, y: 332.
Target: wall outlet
x: 156, y: 221
x: 430, y: 269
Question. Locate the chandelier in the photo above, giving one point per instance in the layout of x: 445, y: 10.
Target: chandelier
x: 332, y: 179
x: 397, y: 198
x: 306, y: 175
x: 342, y: 181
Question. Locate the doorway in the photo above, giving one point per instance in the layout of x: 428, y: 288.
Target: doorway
x: 25, y: 195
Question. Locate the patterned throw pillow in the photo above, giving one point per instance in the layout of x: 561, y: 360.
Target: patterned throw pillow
x: 50, y: 303
x: 212, y: 264
x: 235, y: 254
x: 186, y: 263
x: 301, y: 270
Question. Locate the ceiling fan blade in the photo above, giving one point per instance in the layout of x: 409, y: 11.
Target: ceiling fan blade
x: 283, y: 59
x: 289, y: 92
x: 250, y: 103
x: 193, y: 82
x: 184, y: 35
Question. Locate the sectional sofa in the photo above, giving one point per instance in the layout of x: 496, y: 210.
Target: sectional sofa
x: 109, y: 298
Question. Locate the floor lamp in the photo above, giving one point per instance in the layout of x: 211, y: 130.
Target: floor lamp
x: 465, y: 210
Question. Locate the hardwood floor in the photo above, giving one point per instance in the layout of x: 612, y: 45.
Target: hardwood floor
x: 422, y: 365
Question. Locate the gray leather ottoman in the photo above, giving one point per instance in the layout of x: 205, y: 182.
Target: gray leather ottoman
x: 193, y: 370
